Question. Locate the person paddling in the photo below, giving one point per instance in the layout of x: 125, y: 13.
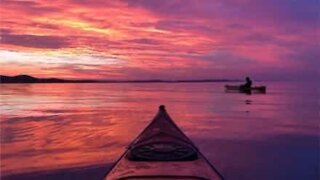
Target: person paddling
x: 248, y: 83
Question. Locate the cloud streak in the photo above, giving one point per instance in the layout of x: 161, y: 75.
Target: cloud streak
x: 46, y: 42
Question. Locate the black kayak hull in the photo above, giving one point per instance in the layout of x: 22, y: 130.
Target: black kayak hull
x: 259, y: 89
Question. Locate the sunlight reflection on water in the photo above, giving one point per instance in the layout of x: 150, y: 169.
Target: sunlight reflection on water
x: 51, y: 126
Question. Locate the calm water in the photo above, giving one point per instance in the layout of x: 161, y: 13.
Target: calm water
x: 261, y: 136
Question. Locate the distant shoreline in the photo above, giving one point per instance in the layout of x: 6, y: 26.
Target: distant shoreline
x: 26, y: 79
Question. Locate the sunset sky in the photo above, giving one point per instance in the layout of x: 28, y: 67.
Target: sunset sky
x: 161, y: 39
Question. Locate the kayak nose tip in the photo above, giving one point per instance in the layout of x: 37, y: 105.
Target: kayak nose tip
x: 162, y: 108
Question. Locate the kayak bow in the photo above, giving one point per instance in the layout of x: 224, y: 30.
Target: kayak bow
x: 162, y: 151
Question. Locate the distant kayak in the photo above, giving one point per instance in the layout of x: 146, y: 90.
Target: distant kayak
x: 261, y: 89
x: 162, y: 151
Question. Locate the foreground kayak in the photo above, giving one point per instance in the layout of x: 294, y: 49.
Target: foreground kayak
x: 261, y: 89
x: 162, y: 151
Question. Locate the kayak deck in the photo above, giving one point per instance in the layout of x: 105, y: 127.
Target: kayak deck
x: 184, y: 170
x: 162, y: 151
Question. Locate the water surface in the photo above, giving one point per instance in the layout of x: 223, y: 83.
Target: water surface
x: 45, y: 127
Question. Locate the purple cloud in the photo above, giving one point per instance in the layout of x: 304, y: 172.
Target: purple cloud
x: 254, y: 11
x: 33, y: 41
x: 31, y: 7
x: 146, y: 41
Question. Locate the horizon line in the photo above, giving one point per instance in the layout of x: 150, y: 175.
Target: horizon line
x: 121, y: 80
